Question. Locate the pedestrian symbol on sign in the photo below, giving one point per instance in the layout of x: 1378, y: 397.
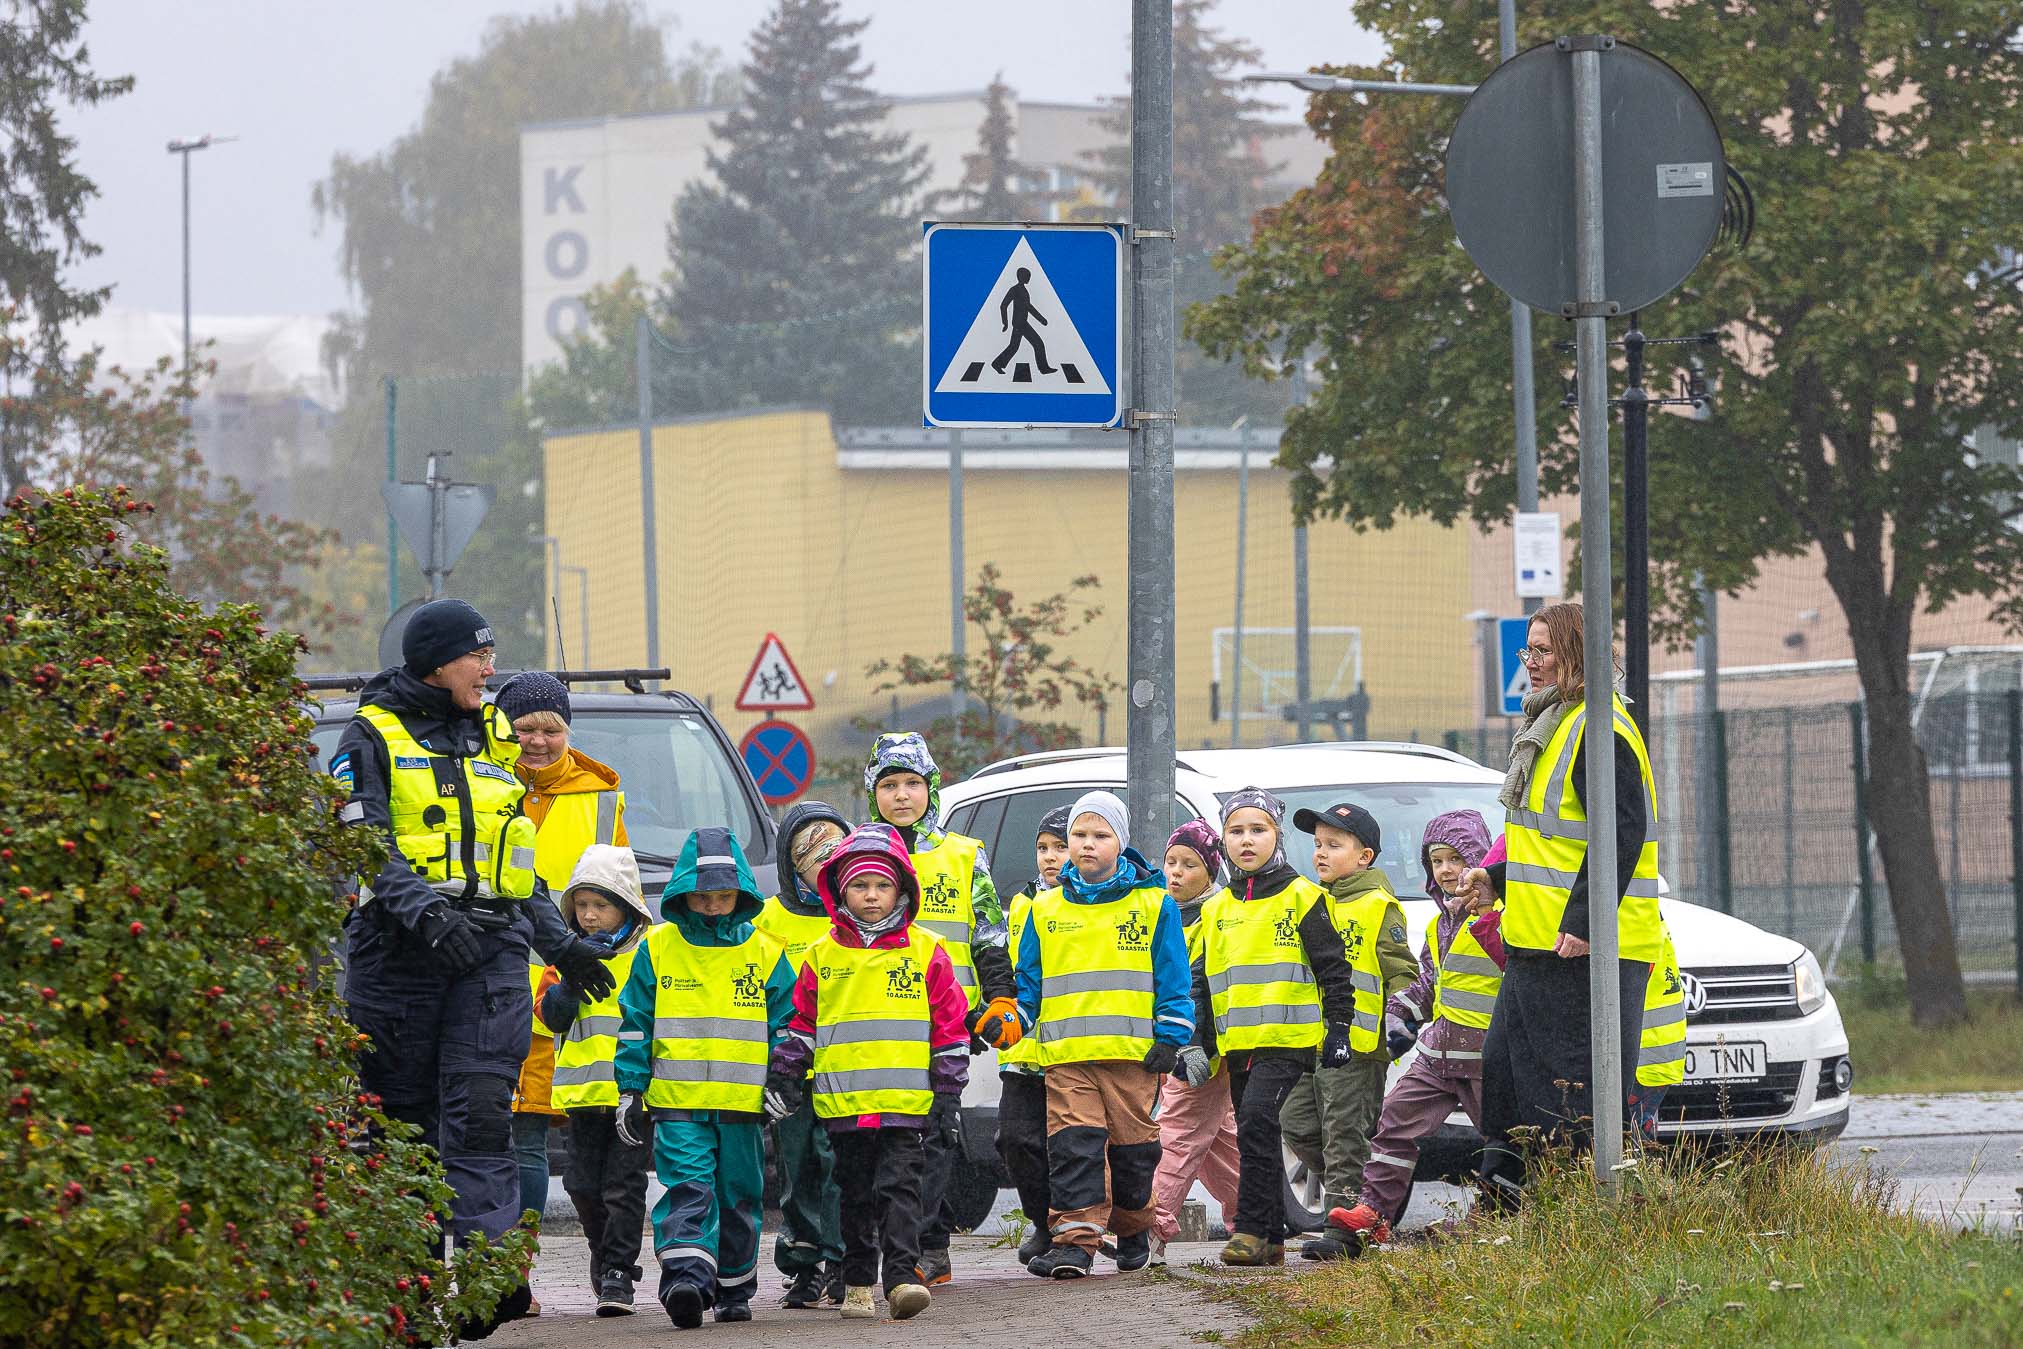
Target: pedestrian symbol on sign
x: 773, y: 684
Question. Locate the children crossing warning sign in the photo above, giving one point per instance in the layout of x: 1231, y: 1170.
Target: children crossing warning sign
x: 1022, y: 325
x: 773, y: 684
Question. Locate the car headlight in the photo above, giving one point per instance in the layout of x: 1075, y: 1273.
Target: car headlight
x: 1809, y: 983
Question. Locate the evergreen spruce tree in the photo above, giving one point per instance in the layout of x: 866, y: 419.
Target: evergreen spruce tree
x: 995, y: 184
x: 796, y: 277
x: 1219, y: 177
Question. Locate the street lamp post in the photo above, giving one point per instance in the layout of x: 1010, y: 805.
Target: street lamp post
x: 1523, y: 398
x: 186, y: 148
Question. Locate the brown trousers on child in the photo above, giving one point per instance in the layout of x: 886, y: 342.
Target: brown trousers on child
x: 1102, y: 1150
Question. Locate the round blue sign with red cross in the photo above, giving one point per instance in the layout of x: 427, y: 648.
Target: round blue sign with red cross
x: 780, y: 759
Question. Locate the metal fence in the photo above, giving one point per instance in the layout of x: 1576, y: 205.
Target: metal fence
x: 1765, y: 820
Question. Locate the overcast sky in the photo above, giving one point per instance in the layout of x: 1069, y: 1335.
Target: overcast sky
x: 299, y: 82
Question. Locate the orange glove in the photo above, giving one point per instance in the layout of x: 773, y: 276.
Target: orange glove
x: 998, y: 1024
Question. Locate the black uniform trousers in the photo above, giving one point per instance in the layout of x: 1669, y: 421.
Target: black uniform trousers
x: 1259, y: 1082
x: 606, y: 1181
x: 878, y: 1171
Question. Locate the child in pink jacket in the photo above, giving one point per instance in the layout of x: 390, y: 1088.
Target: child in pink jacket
x: 1197, y: 1125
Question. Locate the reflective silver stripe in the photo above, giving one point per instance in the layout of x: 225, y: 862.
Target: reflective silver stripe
x: 733, y: 1280
x: 1364, y: 1020
x: 1096, y: 981
x: 848, y: 1080
x: 1531, y: 873
x: 1552, y: 826
x: 710, y: 1028
x: 454, y: 890
x: 1283, y: 972
x: 632, y: 1035
x: 947, y: 931
x: 1457, y: 1055
x: 965, y: 976
x: 1651, y: 1056
x: 353, y: 812
x: 1468, y: 1000
x: 1460, y: 962
x: 583, y: 1074
x: 1660, y: 1017
x: 1364, y: 981
x: 1385, y: 1159
x: 1643, y: 887
x: 1418, y: 1012
x: 586, y: 1026
x: 1555, y: 785
x: 607, y: 816
x: 715, y: 860
x: 871, y: 1028
x: 521, y: 859
x: 701, y: 1253
x: 1075, y: 1027
x: 709, y: 1070
x: 1277, y: 1014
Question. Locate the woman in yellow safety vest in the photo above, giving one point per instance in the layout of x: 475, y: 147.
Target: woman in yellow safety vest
x: 1536, y: 1061
x: 574, y: 801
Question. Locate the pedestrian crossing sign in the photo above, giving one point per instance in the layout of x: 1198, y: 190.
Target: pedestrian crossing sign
x: 1022, y: 324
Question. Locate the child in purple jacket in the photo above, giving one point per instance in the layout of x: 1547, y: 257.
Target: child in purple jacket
x: 1446, y: 1010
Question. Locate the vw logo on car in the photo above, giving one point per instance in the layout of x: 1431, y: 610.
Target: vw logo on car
x: 1696, y: 995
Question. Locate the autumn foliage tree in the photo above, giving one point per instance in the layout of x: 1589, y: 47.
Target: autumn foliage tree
x: 1015, y: 680
x: 182, y: 1159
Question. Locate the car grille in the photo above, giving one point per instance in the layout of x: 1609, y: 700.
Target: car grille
x: 1738, y: 993
x: 1713, y: 1103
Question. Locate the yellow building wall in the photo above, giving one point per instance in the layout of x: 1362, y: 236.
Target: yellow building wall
x: 760, y: 530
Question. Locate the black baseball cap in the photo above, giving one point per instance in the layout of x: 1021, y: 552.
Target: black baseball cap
x: 1344, y: 815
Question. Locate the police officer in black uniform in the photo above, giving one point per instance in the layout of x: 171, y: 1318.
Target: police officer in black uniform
x: 437, y: 963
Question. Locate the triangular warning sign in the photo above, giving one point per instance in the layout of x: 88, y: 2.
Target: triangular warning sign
x: 1023, y: 340
x: 773, y: 684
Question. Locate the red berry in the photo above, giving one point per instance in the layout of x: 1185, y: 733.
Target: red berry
x: 67, y: 845
x: 82, y: 1131
x: 56, y: 943
x: 49, y: 994
x: 137, y: 927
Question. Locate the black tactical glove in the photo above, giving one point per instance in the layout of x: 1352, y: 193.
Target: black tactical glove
x: 947, y: 1109
x: 453, y: 937
x: 1399, y: 1035
x: 1161, y: 1057
x: 581, y: 965
x: 1335, y: 1051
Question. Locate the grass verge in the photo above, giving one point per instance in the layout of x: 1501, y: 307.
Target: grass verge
x: 1892, y: 1055
x: 1782, y: 1248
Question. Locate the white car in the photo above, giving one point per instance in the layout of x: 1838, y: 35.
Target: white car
x: 1765, y: 1049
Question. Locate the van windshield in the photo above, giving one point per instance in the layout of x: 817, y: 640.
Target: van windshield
x: 676, y: 776
x: 1403, y: 810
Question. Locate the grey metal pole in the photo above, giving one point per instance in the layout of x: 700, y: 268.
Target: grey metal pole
x: 583, y: 611
x: 642, y: 361
x: 392, y: 475
x: 958, y: 643
x: 438, y: 526
x: 186, y: 267
x: 1236, y: 642
x: 1591, y: 334
x: 1706, y: 794
x: 1302, y: 633
x: 1150, y: 717
x: 1523, y: 397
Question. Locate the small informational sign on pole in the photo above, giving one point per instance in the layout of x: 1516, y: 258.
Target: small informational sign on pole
x: 1535, y: 543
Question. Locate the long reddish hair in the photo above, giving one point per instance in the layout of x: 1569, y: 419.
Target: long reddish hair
x: 1563, y: 628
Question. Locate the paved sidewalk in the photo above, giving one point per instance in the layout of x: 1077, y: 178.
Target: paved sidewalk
x: 993, y: 1304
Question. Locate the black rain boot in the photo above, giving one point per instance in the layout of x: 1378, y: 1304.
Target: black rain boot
x: 1062, y: 1262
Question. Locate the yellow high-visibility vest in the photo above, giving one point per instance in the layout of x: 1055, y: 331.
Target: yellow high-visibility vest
x: 873, y: 1025
x: 457, y: 821
x: 1359, y: 920
x: 586, y: 1064
x: 1259, y: 982
x: 947, y: 874
x: 795, y: 932
x: 1096, y: 990
x: 574, y: 821
x: 1547, y: 841
x: 1464, y: 990
x: 1027, y: 1051
x: 711, y: 1040
x: 1661, y: 1055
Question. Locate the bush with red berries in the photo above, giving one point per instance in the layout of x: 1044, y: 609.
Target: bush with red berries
x: 184, y: 1151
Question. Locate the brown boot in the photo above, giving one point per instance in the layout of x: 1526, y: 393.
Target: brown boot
x: 1249, y: 1251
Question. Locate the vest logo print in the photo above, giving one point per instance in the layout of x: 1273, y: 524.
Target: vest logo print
x: 940, y: 896
x: 1285, y: 930
x: 1064, y: 925
x: 1352, y: 939
x: 1672, y: 984
x: 1133, y: 935
x: 748, y: 987
x: 904, y: 980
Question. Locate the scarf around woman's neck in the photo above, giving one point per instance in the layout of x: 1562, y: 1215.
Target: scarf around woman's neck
x: 1543, y: 712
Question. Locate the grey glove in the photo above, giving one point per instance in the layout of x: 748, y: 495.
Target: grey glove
x: 633, y: 1128
x: 1194, y: 1067
x: 453, y: 937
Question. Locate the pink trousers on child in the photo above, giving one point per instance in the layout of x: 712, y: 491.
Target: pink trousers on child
x: 1197, y: 1140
